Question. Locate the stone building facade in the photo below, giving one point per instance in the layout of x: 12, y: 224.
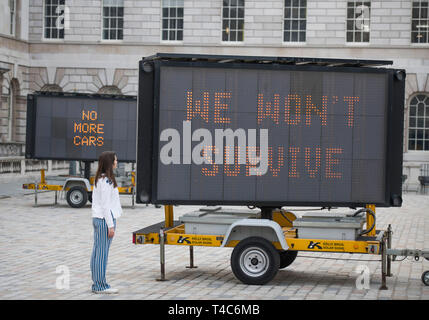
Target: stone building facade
x: 103, y: 40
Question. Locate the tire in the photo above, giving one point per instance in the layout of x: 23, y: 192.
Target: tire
x: 425, y: 278
x: 255, y: 261
x: 77, y: 197
x: 287, y: 258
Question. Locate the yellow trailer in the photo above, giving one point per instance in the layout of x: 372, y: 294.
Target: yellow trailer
x: 78, y: 190
x: 256, y: 257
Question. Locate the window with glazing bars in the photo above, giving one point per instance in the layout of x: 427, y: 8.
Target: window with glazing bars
x: 295, y: 20
x: 358, y: 21
x: 420, y: 22
x: 113, y: 19
x: 418, y: 129
x: 233, y: 20
x: 172, y: 20
x: 54, y: 19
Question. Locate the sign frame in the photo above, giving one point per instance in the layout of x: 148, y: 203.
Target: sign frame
x: 30, y: 142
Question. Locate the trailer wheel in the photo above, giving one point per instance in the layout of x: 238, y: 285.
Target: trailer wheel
x: 287, y: 257
x: 77, y: 197
x: 425, y: 278
x: 255, y: 261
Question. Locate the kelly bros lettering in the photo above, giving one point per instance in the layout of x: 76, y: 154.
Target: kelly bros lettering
x: 88, y: 131
x: 240, y: 152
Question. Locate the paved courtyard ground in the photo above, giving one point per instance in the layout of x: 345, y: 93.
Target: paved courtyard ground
x: 40, y: 246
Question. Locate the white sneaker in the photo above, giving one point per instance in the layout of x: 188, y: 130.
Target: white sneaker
x: 107, y: 291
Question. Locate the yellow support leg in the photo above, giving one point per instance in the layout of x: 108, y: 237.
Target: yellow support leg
x: 133, y: 179
x: 370, y: 220
x: 168, y: 216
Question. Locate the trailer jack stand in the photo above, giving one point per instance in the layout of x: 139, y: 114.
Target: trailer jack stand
x: 191, y: 258
x: 387, y: 253
x: 383, y: 265
x: 389, y: 246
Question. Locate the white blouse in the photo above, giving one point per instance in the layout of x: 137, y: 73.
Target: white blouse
x: 105, y: 201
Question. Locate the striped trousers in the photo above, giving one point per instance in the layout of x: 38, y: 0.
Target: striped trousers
x: 100, y: 254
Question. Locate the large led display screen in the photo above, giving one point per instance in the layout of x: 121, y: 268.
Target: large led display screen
x: 266, y: 136
x: 81, y: 127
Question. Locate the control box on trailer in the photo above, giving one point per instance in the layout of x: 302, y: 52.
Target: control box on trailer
x: 269, y: 133
x: 80, y: 126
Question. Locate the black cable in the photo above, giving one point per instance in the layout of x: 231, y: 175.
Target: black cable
x: 400, y: 260
x: 323, y: 208
x: 371, y: 213
x: 284, y: 216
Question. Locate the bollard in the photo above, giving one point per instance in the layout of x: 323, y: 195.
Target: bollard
x: 383, y: 264
x: 191, y: 258
x: 162, y: 254
x: 132, y: 196
x: 389, y: 246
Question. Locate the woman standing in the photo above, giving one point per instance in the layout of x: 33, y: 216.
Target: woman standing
x: 106, y: 208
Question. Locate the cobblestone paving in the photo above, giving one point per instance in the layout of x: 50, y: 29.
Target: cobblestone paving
x: 38, y: 244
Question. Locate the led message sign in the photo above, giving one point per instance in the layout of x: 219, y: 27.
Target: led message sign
x: 264, y: 136
x: 80, y: 127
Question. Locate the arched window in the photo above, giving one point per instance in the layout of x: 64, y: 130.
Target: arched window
x: 418, y: 126
x: 51, y: 88
x: 12, y: 25
x: 110, y: 90
x: 8, y: 105
x: 13, y: 104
